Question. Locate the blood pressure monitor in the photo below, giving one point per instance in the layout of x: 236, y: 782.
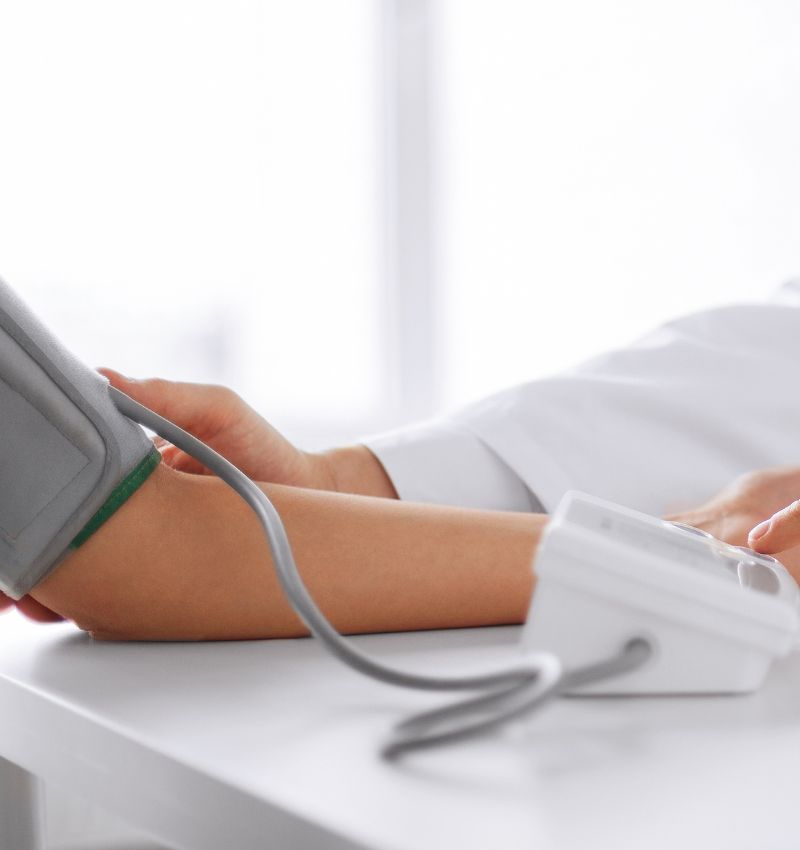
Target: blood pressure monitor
x: 715, y: 614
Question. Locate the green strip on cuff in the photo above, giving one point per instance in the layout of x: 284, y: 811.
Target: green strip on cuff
x: 121, y: 493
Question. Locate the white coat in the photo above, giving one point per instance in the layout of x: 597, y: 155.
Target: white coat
x: 659, y: 426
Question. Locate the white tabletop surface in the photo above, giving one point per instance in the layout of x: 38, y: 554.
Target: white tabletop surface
x: 274, y: 744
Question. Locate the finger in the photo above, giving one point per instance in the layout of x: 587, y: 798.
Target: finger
x: 186, y: 463
x: 34, y: 610
x: 182, y: 462
x: 5, y: 602
x: 778, y: 533
x: 167, y: 451
x: 194, y: 407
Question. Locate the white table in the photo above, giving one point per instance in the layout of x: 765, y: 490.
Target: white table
x: 273, y: 745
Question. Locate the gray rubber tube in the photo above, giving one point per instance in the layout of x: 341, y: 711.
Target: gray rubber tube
x: 519, y: 688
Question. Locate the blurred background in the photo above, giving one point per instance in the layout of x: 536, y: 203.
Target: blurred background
x: 362, y: 212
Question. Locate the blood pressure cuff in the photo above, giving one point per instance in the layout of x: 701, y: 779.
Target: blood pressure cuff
x: 68, y: 457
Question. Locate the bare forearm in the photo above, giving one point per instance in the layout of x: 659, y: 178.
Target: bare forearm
x: 186, y: 559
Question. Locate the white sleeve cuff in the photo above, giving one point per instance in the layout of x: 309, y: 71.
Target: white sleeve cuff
x: 443, y: 463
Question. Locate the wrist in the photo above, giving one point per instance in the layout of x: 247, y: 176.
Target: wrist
x: 353, y: 469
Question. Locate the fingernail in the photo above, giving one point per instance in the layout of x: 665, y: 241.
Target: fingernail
x: 760, y: 530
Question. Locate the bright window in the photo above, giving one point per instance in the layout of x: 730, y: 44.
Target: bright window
x: 189, y: 189
x: 199, y: 189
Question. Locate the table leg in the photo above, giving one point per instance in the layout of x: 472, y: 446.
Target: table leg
x: 21, y: 809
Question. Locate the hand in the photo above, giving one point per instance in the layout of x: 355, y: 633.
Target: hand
x: 749, y: 501
x: 218, y: 417
x: 30, y: 608
x: 221, y: 419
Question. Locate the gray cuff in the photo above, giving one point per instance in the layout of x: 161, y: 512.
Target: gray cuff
x: 65, y: 447
x: 443, y: 463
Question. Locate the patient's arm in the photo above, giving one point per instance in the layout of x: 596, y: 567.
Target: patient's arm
x: 185, y: 558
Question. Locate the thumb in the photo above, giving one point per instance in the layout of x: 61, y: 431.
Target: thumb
x: 34, y: 610
x: 778, y: 533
